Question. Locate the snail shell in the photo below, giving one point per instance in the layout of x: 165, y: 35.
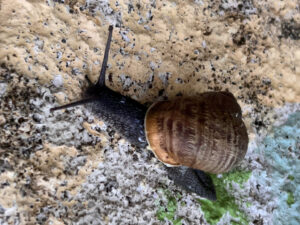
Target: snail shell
x: 204, y: 132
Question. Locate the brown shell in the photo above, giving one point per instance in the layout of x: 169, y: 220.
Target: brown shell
x: 204, y: 132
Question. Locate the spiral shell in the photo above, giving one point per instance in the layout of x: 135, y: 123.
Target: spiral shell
x: 204, y: 132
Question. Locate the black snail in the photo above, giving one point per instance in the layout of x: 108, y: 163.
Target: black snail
x: 196, y: 134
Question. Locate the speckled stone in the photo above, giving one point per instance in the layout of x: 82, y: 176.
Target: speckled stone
x: 69, y: 167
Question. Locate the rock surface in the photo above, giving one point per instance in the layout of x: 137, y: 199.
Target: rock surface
x: 69, y: 167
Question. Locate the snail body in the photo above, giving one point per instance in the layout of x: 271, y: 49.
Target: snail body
x: 196, y: 134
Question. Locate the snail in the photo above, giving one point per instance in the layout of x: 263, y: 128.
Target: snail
x: 190, y: 135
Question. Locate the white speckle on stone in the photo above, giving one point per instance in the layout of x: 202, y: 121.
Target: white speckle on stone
x: 199, y: 2
x: 164, y: 77
x: 230, y: 4
x: 3, y: 87
x: 149, y: 14
x: 38, y: 45
x: 221, y: 13
x: 81, y: 31
x: 103, y: 126
x: 58, y: 55
x: 153, y: 65
x: 204, y: 44
x: 147, y: 27
x: 58, y: 80
x: 11, y: 211
x: 124, y: 36
x: 103, y: 7
x: 233, y: 5
x: 127, y: 82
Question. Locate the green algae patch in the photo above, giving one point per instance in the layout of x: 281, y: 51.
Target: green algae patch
x: 169, y: 211
x: 215, y: 210
x: 239, y: 177
x: 291, y: 199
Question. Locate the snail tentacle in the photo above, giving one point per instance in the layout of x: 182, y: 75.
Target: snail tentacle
x: 101, y: 80
x: 80, y: 102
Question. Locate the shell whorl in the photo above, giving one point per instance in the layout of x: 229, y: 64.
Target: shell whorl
x: 204, y: 132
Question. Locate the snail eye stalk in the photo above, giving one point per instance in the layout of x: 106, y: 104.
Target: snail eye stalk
x: 101, y: 80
